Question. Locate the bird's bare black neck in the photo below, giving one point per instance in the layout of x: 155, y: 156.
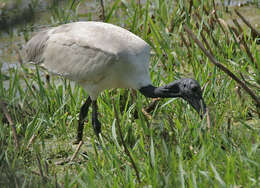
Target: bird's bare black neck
x: 154, y: 92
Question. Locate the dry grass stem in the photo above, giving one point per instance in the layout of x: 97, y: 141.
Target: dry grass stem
x: 102, y: 16
x: 186, y: 44
x: 208, y: 120
x: 77, y: 150
x: 207, y: 30
x: 124, y: 144
x: 31, y: 141
x: 40, y: 168
x: 243, y: 42
x: 255, y: 33
x: 204, y: 38
x: 146, y: 114
x: 152, y: 105
x: 11, y: 123
x: 222, y: 67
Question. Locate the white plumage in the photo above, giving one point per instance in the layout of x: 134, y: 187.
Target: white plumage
x: 97, y: 55
x: 100, y: 56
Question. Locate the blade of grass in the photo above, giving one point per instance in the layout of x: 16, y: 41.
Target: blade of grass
x: 110, y: 13
x: 222, y: 67
x: 123, y: 142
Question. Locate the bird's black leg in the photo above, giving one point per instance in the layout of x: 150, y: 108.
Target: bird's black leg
x: 95, y: 123
x: 83, y: 113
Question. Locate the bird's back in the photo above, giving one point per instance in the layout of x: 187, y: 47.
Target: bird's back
x: 97, y: 55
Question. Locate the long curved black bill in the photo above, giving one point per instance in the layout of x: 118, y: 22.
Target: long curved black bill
x: 199, y: 105
x: 202, y: 109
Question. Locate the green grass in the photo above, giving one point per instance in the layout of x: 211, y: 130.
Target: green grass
x: 172, y: 149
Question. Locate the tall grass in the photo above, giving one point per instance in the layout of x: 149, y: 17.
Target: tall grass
x: 173, y: 148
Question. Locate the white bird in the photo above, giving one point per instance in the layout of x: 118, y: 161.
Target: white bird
x: 101, y: 56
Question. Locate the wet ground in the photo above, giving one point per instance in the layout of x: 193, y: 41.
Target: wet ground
x: 17, y: 19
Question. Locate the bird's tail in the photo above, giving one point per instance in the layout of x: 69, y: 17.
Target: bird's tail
x: 35, y: 47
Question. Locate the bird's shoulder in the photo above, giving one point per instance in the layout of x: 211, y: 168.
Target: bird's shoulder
x: 108, y: 38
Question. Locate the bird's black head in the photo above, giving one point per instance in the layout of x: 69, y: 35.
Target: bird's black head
x: 190, y: 90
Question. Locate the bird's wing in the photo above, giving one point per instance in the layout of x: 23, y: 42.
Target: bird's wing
x: 61, y: 54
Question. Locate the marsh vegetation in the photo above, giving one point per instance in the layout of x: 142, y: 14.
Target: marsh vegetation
x: 169, y: 143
